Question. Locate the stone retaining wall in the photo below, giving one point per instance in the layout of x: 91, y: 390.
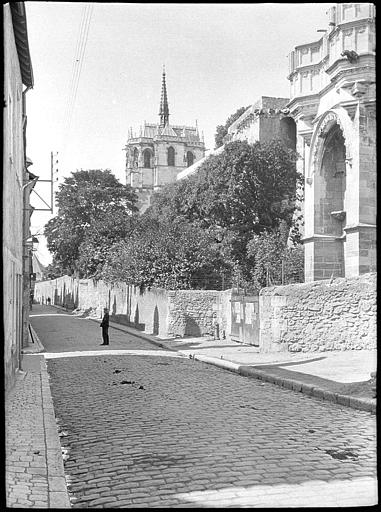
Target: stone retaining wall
x: 319, y: 316
x: 146, y: 311
x: 302, y: 317
x: 192, y: 312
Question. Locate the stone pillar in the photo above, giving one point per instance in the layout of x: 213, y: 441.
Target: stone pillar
x: 360, y: 246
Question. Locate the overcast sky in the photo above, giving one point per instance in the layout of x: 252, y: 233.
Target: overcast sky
x: 218, y: 57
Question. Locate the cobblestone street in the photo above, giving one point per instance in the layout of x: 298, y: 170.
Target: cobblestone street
x: 149, y: 428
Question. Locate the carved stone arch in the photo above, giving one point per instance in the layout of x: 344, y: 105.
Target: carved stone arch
x: 337, y: 116
x: 326, y: 208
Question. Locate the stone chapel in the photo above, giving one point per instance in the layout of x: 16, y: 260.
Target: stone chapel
x: 156, y: 154
x: 333, y: 102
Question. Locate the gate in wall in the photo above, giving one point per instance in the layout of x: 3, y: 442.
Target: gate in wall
x: 245, y: 319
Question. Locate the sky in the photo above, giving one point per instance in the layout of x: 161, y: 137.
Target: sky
x: 218, y: 58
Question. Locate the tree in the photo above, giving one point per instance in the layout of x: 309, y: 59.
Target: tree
x: 171, y: 255
x: 273, y: 257
x: 86, y: 200
x: 222, y: 129
x: 99, y: 239
x: 52, y: 272
x: 243, y: 191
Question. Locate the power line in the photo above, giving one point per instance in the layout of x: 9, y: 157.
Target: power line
x: 77, y: 68
x: 73, y: 72
x: 79, y: 60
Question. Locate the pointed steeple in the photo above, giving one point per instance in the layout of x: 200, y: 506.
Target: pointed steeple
x: 164, y: 110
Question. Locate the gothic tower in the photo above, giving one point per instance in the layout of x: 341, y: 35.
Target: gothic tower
x: 159, y: 151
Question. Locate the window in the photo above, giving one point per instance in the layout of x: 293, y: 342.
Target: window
x: 147, y: 158
x: 136, y: 156
x: 190, y: 158
x: 171, y: 156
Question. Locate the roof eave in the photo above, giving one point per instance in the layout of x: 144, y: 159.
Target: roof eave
x: 22, y: 44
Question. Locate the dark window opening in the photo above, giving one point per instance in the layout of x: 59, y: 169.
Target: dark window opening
x: 171, y: 156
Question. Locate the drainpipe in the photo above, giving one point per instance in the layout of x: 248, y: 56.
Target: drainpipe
x: 25, y: 234
x: 26, y: 256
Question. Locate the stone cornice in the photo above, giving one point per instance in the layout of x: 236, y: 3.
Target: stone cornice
x: 304, y: 107
x: 345, y: 25
x: 306, y: 67
x: 353, y: 70
x: 360, y: 225
x: 317, y: 236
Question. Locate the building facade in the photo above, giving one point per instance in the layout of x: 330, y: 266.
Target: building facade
x: 333, y: 102
x: 17, y: 184
x: 265, y: 120
x: 156, y: 154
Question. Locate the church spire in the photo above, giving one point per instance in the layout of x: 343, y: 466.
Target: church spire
x: 164, y: 110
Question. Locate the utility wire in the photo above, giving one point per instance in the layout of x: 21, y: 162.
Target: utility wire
x: 73, y: 71
x: 79, y: 60
x: 77, y: 69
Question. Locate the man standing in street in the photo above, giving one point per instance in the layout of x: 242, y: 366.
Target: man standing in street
x: 104, y: 325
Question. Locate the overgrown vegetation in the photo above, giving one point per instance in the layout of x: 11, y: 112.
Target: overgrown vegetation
x: 228, y: 224
x: 94, y: 211
x: 222, y: 129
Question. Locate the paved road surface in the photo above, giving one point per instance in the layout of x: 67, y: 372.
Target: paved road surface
x: 149, y: 428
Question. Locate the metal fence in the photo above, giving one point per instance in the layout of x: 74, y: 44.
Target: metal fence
x: 282, y: 275
x: 219, y: 282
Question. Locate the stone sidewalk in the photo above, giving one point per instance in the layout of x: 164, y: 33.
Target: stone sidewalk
x: 34, y: 467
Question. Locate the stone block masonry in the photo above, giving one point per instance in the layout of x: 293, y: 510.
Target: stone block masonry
x: 319, y: 316
x: 308, y: 317
x: 192, y: 312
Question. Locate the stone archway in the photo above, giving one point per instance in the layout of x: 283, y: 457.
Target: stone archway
x: 330, y: 208
x: 329, y: 157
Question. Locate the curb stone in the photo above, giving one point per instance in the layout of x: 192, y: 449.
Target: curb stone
x: 36, y: 346
x: 58, y: 495
x: 363, y: 404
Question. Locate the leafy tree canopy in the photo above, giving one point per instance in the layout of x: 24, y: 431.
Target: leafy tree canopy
x: 244, y: 190
x: 222, y: 129
x: 87, y: 201
x: 99, y: 240
x: 274, y: 257
x: 168, y: 255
